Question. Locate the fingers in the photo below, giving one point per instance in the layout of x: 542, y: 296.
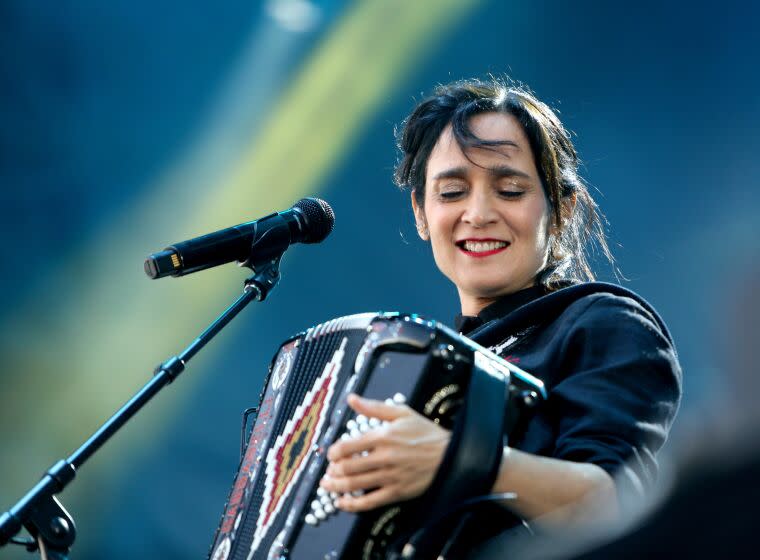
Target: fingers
x: 391, y: 462
x: 377, y: 409
x: 368, y: 501
x: 363, y: 481
x: 407, y: 429
x: 347, y: 448
x: 358, y: 464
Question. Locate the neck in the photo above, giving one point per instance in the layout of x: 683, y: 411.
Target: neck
x: 472, y: 305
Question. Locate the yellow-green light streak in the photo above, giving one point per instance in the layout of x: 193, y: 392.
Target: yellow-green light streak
x: 88, y: 343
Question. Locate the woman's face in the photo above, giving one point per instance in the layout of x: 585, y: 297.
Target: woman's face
x: 487, y: 219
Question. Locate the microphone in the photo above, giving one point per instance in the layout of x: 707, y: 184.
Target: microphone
x: 310, y: 220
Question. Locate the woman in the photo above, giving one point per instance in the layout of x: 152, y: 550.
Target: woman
x: 495, y: 190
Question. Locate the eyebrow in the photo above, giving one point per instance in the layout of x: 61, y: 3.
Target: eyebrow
x: 497, y: 171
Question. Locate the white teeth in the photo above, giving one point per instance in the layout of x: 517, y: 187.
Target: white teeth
x: 483, y: 246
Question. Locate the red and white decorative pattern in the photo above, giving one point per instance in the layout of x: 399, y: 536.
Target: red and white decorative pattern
x: 287, y: 458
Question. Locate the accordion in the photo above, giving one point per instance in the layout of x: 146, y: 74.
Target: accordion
x: 276, y: 509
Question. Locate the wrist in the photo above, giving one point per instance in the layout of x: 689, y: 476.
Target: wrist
x: 502, y: 483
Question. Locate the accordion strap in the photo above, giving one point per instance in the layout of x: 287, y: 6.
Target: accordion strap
x: 471, y: 462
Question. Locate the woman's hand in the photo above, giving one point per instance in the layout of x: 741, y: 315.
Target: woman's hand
x: 395, y: 461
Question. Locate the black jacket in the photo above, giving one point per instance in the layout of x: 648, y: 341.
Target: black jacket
x: 610, y: 369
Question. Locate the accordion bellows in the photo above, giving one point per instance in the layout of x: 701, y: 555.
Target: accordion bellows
x: 276, y: 509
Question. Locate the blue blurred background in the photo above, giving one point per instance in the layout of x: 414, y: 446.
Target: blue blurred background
x: 126, y: 126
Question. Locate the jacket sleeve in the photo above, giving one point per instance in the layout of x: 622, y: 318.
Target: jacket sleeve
x: 619, y: 390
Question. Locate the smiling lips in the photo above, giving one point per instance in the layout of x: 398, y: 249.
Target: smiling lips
x: 481, y: 247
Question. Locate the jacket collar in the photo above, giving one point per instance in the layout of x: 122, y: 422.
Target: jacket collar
x: 499, y: 308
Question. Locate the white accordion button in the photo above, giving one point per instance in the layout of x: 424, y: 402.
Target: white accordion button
x: 320, y: 514
x: 389, y: 401
x: 310, y: 519
x: 321, y: 491
x: 329, y: 508
x: 355, y: 433
x: 316, y: 504
x: 363, y: 423
x: 351, y: 425
x: 325, y: 499
x: 398, y: 398
x: 374, y: 422
x: 344, y: 436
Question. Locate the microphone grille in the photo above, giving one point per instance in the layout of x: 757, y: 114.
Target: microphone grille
x: 319, y: 219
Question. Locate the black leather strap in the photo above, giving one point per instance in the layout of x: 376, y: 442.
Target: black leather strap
x: 471, y: 462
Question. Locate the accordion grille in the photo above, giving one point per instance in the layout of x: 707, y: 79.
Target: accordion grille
x: 316, y: 349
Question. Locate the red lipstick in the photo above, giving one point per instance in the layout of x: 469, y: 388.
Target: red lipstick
x: 480, y: 254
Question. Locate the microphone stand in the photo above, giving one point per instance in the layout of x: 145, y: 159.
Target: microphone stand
x: 52, y: 528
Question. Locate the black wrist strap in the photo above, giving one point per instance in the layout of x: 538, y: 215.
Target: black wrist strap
x: 472, y: 459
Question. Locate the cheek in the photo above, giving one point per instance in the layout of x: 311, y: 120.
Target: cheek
x: 535, y: 223
x: 439, y: 243
x: 440, y: 224
x: 542, y: 232
x: 441, y: 230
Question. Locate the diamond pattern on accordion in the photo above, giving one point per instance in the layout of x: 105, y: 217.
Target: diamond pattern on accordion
x: 287, y: 458
x: 325, y: 503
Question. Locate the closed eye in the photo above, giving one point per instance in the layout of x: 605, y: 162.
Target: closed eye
x: 511, y: 194
x: 451, y: 195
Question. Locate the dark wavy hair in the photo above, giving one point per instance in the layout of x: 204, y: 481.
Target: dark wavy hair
x: 579, y: 229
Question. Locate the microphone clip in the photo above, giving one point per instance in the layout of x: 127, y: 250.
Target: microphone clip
x: 266, y: 276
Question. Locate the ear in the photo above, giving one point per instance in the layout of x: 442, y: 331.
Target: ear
x: 419, y: 217
x: 567, y: 207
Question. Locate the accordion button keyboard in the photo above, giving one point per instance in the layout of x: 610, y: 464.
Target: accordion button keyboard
x: 326, y: 503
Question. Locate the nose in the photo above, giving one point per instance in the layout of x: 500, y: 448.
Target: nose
x: 480, y: 210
